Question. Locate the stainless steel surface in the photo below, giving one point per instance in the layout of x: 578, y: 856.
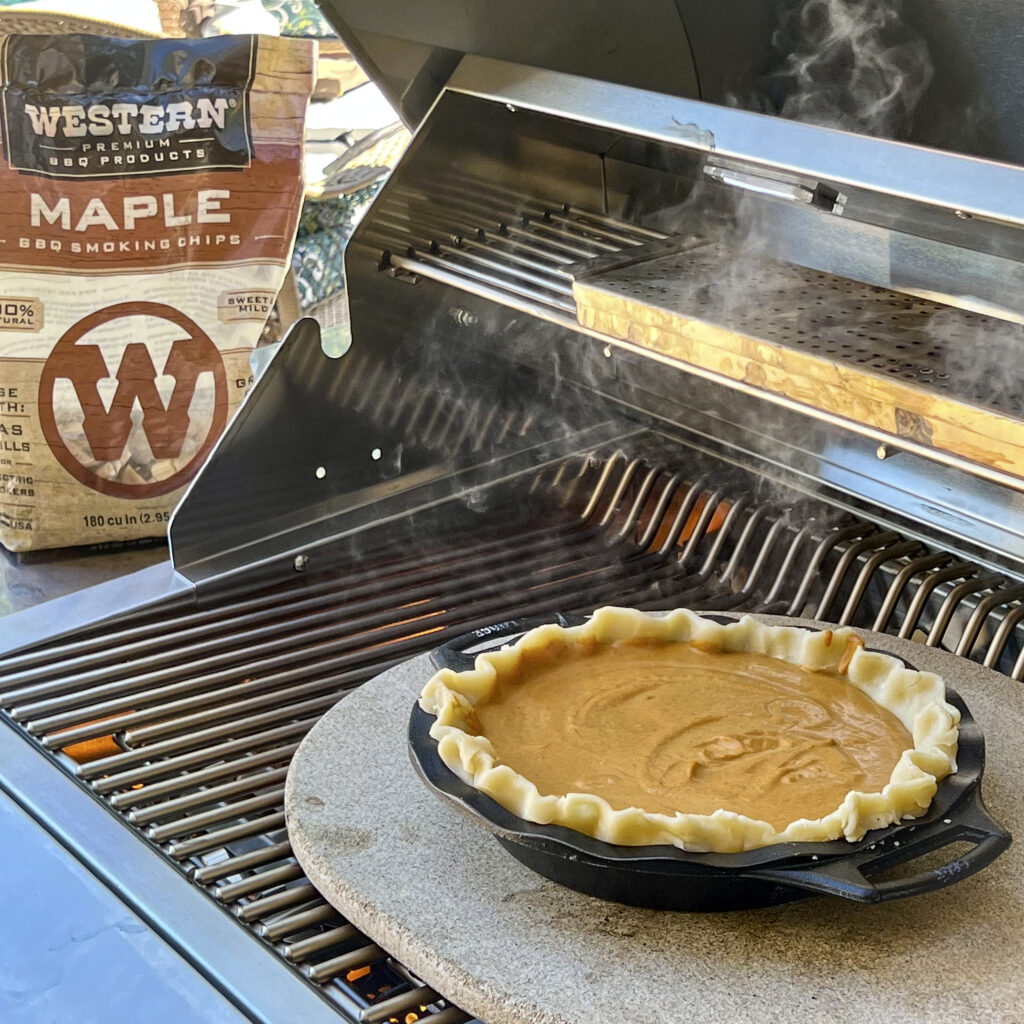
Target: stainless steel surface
x: 411, y: 48
x: 123, y: 598
x: 29, y: 580
x: 640, y: 534
x: 719, y: 52
x: 982, y: 188
x: 59, y: 922
x: 432, y: 354
x: 514, y: 248
x: 411, y: 440
x: 894, y: 257
x: 512, y: 168
x: 908, y: 337
x: 605, y: 526
x: 760, y: 183
x: 181, y: 915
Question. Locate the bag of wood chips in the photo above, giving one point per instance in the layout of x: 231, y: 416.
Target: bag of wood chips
x: 149, y: 195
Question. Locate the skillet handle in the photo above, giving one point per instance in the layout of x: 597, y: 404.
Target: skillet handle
x: 844, y: 876
x: 453, y: 653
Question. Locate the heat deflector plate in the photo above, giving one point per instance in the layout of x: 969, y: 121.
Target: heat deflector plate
x: 438, y: 892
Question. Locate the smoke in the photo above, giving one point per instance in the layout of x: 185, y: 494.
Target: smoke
x: 980, y: 354
x: 850, y: 64
x: 847, y: 64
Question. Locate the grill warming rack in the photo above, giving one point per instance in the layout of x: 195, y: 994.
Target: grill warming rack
x: 495, y: 240
x: 186, y: 733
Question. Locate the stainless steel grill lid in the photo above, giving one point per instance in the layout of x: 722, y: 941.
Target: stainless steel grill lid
x: 723, y: 53
x: 411, y: 49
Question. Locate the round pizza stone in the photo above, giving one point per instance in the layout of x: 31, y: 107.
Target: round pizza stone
x: 437, y: 891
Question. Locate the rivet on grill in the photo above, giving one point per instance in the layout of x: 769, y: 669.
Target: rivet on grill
x: 511, y: 109
x: 886, y: 451
x: 963, y: 214
x: 301, y: 563
x: 320, y: 472
x: 463, y: 317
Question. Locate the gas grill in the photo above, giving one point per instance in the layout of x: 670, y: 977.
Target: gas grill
x: 607, y: 346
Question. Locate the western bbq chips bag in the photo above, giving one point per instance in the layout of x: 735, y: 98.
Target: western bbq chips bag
x: 149, y: 194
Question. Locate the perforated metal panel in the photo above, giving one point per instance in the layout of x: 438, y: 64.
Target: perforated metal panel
x: 868, y: 328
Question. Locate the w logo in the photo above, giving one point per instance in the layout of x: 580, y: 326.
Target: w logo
x: 165, y: 429
x: 107, y: 420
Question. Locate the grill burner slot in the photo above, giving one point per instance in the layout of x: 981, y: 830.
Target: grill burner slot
x: 208, y: 706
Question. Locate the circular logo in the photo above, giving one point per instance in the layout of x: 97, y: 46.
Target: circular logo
x: 116, y: 421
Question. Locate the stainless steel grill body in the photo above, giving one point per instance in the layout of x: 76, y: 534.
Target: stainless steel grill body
x: 479, y: 453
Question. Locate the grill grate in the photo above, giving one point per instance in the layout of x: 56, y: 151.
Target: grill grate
x: 185, y: 724
x: 521, y: 246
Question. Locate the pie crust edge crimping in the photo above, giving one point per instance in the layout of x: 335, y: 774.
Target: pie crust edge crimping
x: 916, y: 698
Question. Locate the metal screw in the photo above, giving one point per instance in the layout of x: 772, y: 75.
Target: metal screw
x: 301, y: 563
x: 886, y: 451
x: 511, y: 109
x: 463, y: 317
x: 962, y: 214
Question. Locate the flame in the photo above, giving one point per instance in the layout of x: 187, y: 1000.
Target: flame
x: 91, y: 750
x: 714, y: 525
x: 357, y: 973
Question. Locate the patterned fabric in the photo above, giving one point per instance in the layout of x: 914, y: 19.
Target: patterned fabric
x: 295, y: 17
x: 299, y: 18
x: 324, y: 229
x: 139, y: 20
x: 170, y: 16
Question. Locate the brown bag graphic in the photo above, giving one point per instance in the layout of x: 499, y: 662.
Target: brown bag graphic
x: 149, y: 195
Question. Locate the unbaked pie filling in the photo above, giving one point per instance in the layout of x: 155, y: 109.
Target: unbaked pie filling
x: 639, y: 729
x: 673, y: 727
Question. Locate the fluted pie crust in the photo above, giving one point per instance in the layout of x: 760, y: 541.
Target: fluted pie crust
x: 917, y: 699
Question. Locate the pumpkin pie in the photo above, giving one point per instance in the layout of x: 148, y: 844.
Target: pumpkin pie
x: 642, y: 729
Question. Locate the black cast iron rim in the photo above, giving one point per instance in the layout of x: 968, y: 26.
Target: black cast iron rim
x: 957, y: 815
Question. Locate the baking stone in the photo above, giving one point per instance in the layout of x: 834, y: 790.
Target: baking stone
x: 437, y: 891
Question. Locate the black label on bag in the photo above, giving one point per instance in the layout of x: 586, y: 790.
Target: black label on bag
x: 92, y: 107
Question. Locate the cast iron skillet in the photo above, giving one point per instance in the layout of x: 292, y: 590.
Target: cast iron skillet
x: 667, y: 878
